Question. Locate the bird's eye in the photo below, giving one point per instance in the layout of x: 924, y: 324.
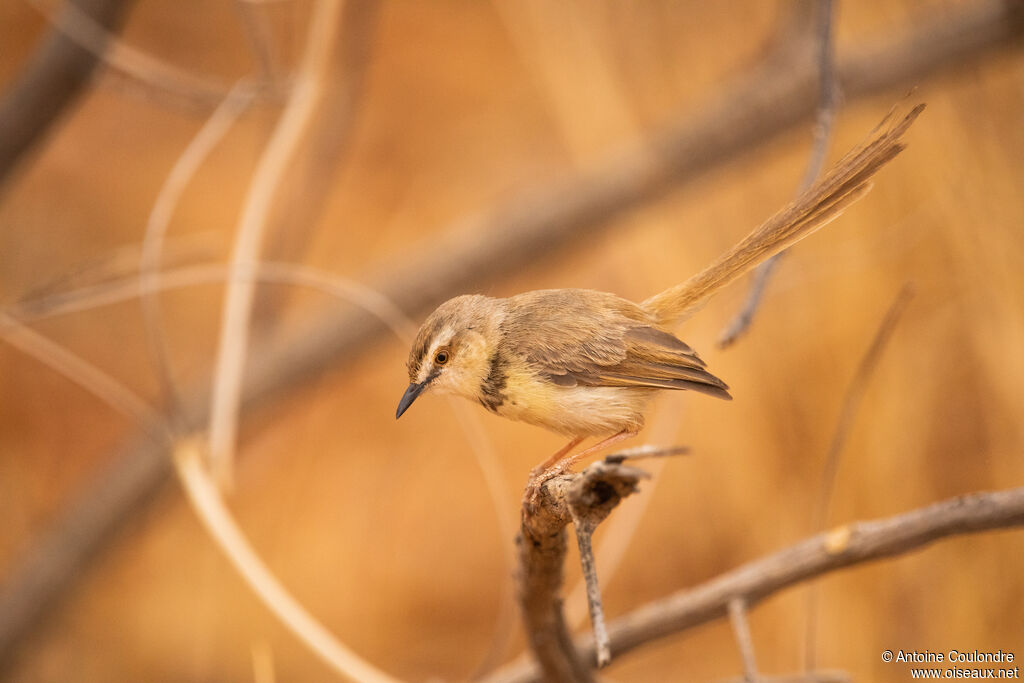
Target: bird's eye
x: 441, y: 357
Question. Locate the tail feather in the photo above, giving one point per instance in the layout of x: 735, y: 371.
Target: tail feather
x: 846, y: 182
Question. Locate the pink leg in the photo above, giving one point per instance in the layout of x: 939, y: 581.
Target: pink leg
x: 560, y: 462
x: 554, y: 459
x: 565, y: 463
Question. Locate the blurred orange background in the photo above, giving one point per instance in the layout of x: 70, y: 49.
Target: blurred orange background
x: 386, y: 530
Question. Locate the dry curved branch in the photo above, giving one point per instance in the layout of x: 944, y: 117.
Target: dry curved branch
x: 585, y: 499
x: 844, y: 546
x: 205, y: 500
x: 312, y: 175
x: 828, y: 99
x: 737, y: 611
x: 210, y: 509
x: 91, y: 36
x: 53, y: 78
x: 184, y: 169
x: 233, y: 340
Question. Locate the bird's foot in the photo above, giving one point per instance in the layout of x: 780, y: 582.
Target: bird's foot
x: 560, y: 462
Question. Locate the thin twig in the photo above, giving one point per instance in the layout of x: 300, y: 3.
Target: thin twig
x: 845, y: 546
x: 82, y: 373
x: 827, y: 102
x: 193, y: 156
x: 741, y: 630
x: 585, y: 499
x: 51, y: 80
x: 143, y: 68
x: 312, y: 174
x: 266, y: 272
x: 209, y: 507
x: 618, y: 531
x: 584, y: 542
x: 41, y: 575
x: 845, y: 183
x: 234, y: 335
x: 644, y: 452
x: 852, y: 400
x: 333, y: 285
x: 257, y: 30
x: 206, y: 501
x: 503, y: 504
x: 262, y: 662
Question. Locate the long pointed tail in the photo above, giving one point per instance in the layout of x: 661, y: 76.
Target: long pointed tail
x: 845, y: 183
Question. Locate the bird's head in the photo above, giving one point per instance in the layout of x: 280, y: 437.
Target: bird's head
x: 453, y: 349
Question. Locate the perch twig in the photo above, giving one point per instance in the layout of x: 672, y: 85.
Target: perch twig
x: 844, y: 546
x: 828, y: 98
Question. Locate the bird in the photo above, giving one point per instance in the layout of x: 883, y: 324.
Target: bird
x: 584, y: 363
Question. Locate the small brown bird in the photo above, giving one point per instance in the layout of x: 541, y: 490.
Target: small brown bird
x: 584, y: 363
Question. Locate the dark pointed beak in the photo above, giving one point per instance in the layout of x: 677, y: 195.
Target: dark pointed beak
x: 409, y: 396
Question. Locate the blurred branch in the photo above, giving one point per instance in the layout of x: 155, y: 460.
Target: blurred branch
x: 209, y: 507
x: 762, y: 103
x: 845, y: 546
x: 205, y: 500
x: 96, y: 382
x: 265, y: 272
x: 93, y: 38
x: 311, y: 176
x: 852, y: 399
x: 52, y: 79
x: 586, y: 499
x: 42, y: 574
x: 232, y: 351
x: 188, y: 163
x: 737, y: 610
x: 258, y: 31
x: 828, y: 99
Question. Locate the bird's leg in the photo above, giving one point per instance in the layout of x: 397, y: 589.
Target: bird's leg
x: 562, y: 461
x: 560, y: 466
x: 555, y: 459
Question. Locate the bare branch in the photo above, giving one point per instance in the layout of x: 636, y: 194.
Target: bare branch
x: 310, y: 180
x: 257, y: 30
x: 195, y: 153
x: 645, y: 451
x: 92, y: 37
x: 55, y: 75
x: 268, y: 272
x: 852, y: 399
x: 845, y: 546
x: 851, y: 403
x: 585, y: 498
x: 234, y: 336
x: 205, y: 500
x: 213, y: 513
x: 737, y: 609
x: 842, y: 547
x: 846, y: 182
x: 101, y: 385
x: 828, y: 99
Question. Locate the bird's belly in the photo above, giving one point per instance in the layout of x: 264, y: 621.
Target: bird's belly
x: 576, y: 411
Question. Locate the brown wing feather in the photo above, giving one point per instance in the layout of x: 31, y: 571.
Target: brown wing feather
x: 652, y: 361
x: 583, y: 337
